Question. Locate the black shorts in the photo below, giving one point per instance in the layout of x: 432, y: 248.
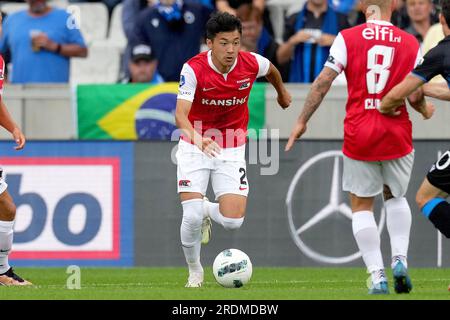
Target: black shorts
x: 439, y: 174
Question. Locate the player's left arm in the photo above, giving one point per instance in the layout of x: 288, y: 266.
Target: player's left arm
x: 8, y: 123
x: 274, y: 77
x: 318, y: 91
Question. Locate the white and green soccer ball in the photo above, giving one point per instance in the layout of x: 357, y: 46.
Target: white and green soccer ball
x: 232, y: 268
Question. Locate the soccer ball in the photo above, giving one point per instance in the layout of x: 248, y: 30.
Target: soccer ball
x: 232, y: 268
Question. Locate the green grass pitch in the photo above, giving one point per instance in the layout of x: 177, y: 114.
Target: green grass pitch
x: 266, y: 284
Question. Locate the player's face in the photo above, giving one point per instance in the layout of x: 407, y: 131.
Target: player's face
x: 225, y: 47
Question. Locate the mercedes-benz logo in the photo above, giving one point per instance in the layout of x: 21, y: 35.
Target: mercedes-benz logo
x: 334, y: 206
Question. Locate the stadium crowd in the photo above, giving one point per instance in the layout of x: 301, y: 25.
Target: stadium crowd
x: 173, y: 31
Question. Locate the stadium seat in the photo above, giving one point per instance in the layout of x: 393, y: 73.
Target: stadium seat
x: 278, y: 9
x: 93, y: 20
x: 101, y: 66
x: 116, y: 36
x: 11, y: 7
x: 294, y: 8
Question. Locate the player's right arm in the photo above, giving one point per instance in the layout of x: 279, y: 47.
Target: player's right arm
x: 207, y: 145
x: 8, y: 123
x: 186, y: 93
x: 336, y: 63
x: 6, y: 120
x: 319, y: 89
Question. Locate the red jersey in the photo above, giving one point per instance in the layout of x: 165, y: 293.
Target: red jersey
x: 376, y: 56
x: 220, y: 101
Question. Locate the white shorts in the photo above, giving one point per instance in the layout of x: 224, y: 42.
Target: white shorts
x: 366, y: 178
x: 228, y: 171
x: 3, y: 184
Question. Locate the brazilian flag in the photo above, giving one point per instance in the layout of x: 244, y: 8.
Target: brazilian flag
x: 141, y: 111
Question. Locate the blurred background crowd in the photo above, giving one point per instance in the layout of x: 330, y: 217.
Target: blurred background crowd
x: 147, y: 41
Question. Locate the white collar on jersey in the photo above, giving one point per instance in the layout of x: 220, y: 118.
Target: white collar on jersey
x: 211, y: 64
x: 380, y: 22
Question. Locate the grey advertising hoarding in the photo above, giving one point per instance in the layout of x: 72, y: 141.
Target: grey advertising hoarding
x: 316, y: 233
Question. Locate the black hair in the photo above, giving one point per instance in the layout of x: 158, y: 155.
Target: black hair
x: 445, y: 7
x: 222, y: 22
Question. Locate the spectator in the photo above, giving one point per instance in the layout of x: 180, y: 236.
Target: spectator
x: 432, y: 38
x: 400, y: 17
x: 343, y: 6
x: 211, y: 4
x: 142, y: 66
x: 256, y: 38
x: 356, y: 16
x: 130, y: 12
x: 175, y: 31
x: 41, y: 40
x: 420, y: 16
x: 230, y: 6
x: 309, y: 35
x: 434, y: 35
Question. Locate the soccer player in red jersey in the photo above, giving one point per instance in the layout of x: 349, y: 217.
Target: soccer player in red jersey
x: 378, y: 151
x: 7, y: 207
x: 212, y: 114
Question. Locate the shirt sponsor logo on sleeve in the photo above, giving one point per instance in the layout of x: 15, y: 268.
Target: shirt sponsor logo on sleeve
x: 182, y: 80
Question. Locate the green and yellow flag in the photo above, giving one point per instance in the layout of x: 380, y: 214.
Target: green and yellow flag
x: 141, y: 111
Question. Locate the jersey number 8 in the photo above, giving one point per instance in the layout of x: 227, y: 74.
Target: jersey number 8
x: 379, y: 60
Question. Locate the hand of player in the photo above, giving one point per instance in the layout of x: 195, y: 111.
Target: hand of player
x: 296, y: 133
x: 428, y: 111
x: 284, y: 99
x: 210, y: 147
x: 19, y: 138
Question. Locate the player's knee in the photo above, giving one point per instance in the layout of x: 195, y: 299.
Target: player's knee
x: 8, y: 211
x: 193, y: 213
x: 232, y: 223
